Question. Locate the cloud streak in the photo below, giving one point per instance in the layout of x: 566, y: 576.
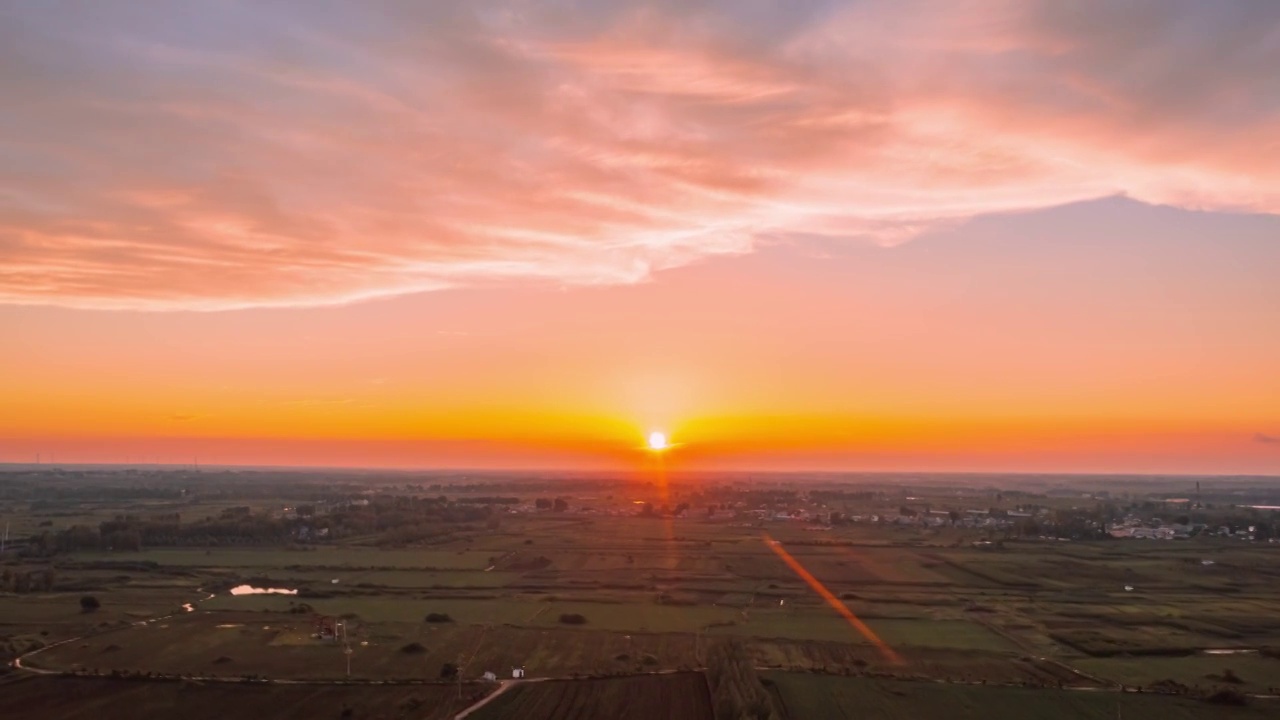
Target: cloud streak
x: 211, y: 156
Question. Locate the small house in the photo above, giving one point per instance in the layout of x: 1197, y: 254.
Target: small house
x: 517, y: 673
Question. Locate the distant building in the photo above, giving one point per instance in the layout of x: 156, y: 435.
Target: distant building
x: 490, y: 677
x: 517, y: 672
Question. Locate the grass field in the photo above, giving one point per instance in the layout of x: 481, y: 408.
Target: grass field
x: 825, y: 625
x: 655, y: 594
x: 1258, y: 674
x: 52, y: 698
x: 338, y: 557
x: 543, y: 613
x: 805, y: 696
x: 678, y: 696
x: 280, y: 646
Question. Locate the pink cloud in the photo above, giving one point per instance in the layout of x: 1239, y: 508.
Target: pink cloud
x: 234, y: 156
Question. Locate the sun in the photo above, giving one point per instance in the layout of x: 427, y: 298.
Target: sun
x: 657, y: 441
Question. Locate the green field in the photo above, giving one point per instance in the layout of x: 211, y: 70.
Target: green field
x: 1257, y: 674
x: 811, y: 625
x: 804, y: 696
x: 678, y: 696
x: 53, y: 698
x: 337, y: 557
x: 1047, y: 626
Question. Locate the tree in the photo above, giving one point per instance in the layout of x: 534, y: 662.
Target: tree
x: 542, y: 504
x: 561, y: 505
x: 89, y: 603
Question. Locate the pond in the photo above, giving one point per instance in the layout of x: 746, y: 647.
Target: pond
x: 251, y: 590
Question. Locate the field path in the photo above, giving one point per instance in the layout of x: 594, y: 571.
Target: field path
x: 16, y: 663
x: 503, y: 686
x: 1034, y: 653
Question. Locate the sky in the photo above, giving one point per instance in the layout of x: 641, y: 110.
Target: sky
x: 981, y: 235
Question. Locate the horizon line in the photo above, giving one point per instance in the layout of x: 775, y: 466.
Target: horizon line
x: 8, y: 466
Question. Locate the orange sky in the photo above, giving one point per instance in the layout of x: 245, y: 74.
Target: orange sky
x: 1008, y: 344
x: 864, y: 236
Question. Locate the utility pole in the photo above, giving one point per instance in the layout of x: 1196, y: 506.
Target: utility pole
x: 346, y: 646
x: 459, y: 674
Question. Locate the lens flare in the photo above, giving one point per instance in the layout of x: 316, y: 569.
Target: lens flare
x: 887, y: 652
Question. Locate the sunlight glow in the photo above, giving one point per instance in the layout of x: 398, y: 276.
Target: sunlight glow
x: 657, y: 441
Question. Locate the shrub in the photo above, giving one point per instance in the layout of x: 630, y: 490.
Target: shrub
x: 649, y: 659
x: 1228, y: 697
x: 573, y: 619
x: 89, y: 603
x: 438, y: 618
x: 413, y: 648
x: 1227, y: 676
x: 448, y: 670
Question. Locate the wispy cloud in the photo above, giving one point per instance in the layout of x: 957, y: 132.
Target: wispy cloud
x: 218, y: 155
x: 1266, y: 439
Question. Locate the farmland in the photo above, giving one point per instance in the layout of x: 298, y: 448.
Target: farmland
x: 433, y: 583
x: 93, y: 698
x: 680, y: 696
x: 803, y: 696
